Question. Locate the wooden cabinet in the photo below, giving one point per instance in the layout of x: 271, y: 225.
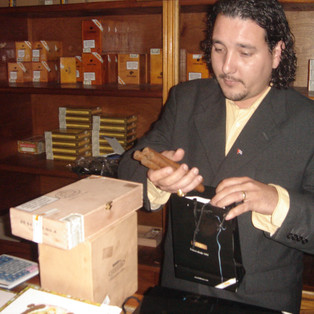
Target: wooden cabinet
x: 30, y: 109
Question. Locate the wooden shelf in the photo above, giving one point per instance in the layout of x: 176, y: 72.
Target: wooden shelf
x: 37, y: 165
x: 147, y: 91
x: 129, y: 7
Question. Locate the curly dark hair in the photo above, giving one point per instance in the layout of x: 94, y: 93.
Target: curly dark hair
x: 269, y: 15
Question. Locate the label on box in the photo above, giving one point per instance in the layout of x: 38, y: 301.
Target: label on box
x: 37, y: 203
x: 37, y: 228
x: 194, y: 75
x: 75, y: 229
x: 132, y: 65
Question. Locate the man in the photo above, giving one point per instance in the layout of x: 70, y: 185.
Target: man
x: 249, y: 135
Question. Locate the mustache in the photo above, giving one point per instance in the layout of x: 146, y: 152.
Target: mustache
x: 230, y: 78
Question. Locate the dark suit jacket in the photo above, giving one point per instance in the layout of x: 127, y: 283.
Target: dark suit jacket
x: 276, y: 146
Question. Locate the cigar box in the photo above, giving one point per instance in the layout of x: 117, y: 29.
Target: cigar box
x: 92, y: 33
x: 111, y: 68
x: 65, y: 157
x: 72, y: 144
x: 67, y: 70
x: 114, y: 123
x: 23, y: 51
x: 93, y: 69
x: 105, y: 265
x: 45, y: 71
x: 115, y: 119
x: 196, y: 67
x: 20, y: 72
x: 72, y: 214
x: 117, y: 135
x: 67, y: 134
x: 46, y: 50
x: 34, y: 145
x: 65, y: 111
x: 132, y: 69
x: 79, y: 69
x: 155, y: 66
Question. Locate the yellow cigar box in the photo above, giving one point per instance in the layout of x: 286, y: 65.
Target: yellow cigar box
x: 20, y: 72
x: 155, y: 66
x: 67, y: 70
x: 196, y: 66
x: 132, y: 69
x: 23, y: 51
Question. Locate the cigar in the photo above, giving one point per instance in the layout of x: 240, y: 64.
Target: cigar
x: 155, y: 161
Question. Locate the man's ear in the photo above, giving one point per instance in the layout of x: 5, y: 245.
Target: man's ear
x: 277, y: 53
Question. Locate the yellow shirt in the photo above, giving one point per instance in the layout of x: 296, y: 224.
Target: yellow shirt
x: 236, y: 119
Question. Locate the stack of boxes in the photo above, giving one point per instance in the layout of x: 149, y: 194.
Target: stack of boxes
x: 85, y: 132
x: 87, y: 235
x: 35, y: 62
x: 67, y: 144
x: 120, y: 127
x: 73, y: 138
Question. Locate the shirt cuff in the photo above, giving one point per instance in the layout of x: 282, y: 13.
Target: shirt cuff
x: 270, y: 223
x: 156, y: 197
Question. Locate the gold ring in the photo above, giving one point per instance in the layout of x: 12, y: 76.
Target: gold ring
x: 243, y: 196
x: 180, y: 193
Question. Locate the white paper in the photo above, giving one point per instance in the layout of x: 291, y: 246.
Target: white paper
x: 33, y: 297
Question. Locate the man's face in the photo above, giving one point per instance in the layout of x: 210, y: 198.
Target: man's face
x: 241, y: 59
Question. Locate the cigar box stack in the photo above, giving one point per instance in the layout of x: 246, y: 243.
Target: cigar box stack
x: 67, y: 144
x: 120, y: 127
x: 87, y: 237
x: 73, y: 137
x: 196, y: 67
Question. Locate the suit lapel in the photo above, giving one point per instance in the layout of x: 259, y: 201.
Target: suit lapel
x: 210, y: 124
x: 254, y: 138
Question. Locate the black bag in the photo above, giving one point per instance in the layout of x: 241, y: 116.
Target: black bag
x: 206, y: 246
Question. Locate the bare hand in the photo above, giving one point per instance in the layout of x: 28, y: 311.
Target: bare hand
x: 171, y: 180
x: 250, y: 194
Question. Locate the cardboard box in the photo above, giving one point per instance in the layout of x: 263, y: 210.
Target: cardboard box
x: 93, y: 69
x: 196, y: 67
x: 23, y: 51
x: 68, y: 70
x: 46, y: 50
x: 132, y: 69
x: 45, y: 71
x: 92, y: 33
x: 19, y: 72
x: 70, y: 215
x: 104, y: 265
x: 155, y: 66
